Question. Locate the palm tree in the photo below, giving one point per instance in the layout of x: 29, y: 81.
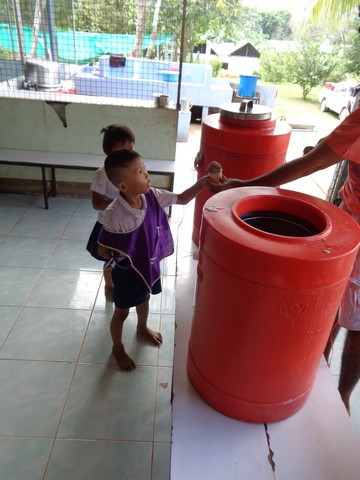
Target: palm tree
x: 333, y: 9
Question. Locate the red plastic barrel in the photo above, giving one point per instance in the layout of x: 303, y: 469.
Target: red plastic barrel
x: 247, y: 144
x: 273, y: 266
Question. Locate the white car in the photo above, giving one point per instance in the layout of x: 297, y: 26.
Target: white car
x: 341, y: 98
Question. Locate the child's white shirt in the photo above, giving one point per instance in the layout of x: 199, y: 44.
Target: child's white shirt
x: 121, y: 217
x: 102, y: 185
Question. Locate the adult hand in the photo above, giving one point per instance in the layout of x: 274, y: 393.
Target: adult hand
x: 307, y: 149
x: 203, y: 180
x: 226, y: 184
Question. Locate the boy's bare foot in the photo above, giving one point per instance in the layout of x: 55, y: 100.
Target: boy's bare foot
x: 122, y: 359
x: 151, y: 335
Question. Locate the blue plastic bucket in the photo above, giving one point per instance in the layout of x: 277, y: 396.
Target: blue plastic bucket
x: 247, y: 86
x: 169, y: 75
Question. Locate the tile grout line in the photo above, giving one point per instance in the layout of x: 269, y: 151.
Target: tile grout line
x: 70, y: 385
x: 75, y: 368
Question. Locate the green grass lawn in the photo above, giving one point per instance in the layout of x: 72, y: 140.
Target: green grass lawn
x: 290, y: 106
x: 289, y: 100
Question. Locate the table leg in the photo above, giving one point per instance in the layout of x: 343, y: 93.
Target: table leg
x: 44, y: 185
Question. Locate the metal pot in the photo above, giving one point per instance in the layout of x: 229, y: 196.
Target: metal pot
x: 161, y: 100
x: 42, y: 74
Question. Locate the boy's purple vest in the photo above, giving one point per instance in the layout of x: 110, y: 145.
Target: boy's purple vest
x: 145, y: 246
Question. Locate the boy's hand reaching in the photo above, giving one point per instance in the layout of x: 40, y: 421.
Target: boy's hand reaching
x: 190, y: 193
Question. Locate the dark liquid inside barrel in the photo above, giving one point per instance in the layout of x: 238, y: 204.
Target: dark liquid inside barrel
x: 279, y: 223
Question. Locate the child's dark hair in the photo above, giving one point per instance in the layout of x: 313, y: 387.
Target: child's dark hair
x: 116, y: 160
x: 115, y: 134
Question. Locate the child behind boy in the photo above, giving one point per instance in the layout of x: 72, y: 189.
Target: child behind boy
x: 135, y: 237
x: 116, y: 137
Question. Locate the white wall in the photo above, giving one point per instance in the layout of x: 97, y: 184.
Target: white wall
x: 34, y: 125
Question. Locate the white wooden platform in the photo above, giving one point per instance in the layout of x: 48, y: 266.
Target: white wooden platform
x: 317, y: 443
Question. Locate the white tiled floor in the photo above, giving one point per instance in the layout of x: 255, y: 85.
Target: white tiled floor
x: 66, y: 411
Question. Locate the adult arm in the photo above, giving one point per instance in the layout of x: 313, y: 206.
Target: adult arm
x: 318, y: 158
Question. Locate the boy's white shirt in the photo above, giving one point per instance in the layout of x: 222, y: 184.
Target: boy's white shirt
x: 121, y: 217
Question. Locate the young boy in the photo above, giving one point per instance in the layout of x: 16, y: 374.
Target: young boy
x: 103, y: 192
x: 135, y: 237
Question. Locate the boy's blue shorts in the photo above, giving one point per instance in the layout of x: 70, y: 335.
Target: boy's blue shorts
x: 130, y: 289
x: 92, y: 245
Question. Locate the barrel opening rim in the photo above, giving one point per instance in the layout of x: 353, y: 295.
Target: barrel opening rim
x: 279, y: 212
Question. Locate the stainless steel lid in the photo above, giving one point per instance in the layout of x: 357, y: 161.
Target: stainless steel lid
x: 245, y: 111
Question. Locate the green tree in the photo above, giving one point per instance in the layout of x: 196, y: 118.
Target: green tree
x: 343, y: 40
x: 351, y: 50
x: 273, y: 66
x: 275, y: 25
x: 216, y: 67
x: 332, y: 10
x: 209, y: 21
x: 154, y: 29
x: 308, y: 66
x: 110, y: 16
x: 140, y: 27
